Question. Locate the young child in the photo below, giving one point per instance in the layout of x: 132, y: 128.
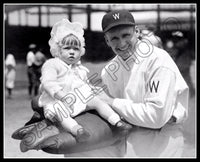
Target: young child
x: 63, y: 77
x: 10, y: 74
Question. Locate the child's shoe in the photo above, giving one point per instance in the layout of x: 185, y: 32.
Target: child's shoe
x: 82, y: 135
x: 122, y: 128
x: 123, y: 125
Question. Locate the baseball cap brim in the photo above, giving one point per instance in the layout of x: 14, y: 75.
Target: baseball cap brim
x: 118, y: 24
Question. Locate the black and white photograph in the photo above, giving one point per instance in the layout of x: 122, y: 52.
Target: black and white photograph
x: 99, y: 80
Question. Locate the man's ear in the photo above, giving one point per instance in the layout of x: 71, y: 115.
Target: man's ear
x: 137, y: 31
x: 106, y: 39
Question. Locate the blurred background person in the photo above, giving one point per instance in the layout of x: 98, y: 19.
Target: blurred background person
x: 169, y: 47
x: 36, y: 71
x: 10, y: 73
x: 39, y: 60
x: 183, y: 56
x: 149, y: 34
x: 30, y: 58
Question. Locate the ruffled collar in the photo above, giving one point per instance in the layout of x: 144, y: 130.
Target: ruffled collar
x: 75, y: 66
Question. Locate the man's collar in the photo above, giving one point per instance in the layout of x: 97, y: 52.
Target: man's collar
x: 133, y: 59
x: 143, y: 49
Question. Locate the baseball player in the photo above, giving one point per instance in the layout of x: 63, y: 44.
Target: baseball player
x: 147, y: 89
x: 30, y: 58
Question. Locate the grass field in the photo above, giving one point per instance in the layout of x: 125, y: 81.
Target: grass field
x: 17, y: 111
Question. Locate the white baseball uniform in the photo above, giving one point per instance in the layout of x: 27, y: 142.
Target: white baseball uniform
x: 30, y: 58
x: 148, y: 90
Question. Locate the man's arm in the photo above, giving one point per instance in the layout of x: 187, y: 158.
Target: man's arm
x: 157, y: 108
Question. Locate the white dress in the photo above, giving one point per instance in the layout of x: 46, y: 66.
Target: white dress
x: 10, y: 72
x: 56, y: 76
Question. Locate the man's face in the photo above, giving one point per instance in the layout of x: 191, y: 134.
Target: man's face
x: 122, y: 40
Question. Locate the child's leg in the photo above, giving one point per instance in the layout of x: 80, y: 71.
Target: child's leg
x: 77, y: 130
x: 70, y: 125
x: 60, y: 114
x: 108, y: 113
x: 9, y: 92
x: 104, y: 110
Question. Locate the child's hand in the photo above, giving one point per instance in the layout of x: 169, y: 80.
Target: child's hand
x: 104, y: 97
x: 97, y: 90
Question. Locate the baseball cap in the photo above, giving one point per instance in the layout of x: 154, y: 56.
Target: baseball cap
x: 177, y: 34
x: 31, y: 46
x: 116, y: 18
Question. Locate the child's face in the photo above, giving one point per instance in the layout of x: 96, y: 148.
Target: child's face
x: 70, y: 54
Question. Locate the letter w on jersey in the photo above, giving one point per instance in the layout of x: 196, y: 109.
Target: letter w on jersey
x: 153, y: 86
x: 116, y: 16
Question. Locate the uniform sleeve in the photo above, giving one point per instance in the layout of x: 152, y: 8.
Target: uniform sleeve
x: 105, y: 80
x: 49, y: 78
x: 158, y: 103
x: 30, y: 58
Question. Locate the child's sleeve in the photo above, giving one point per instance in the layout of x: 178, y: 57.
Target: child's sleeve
x: 49, y: 78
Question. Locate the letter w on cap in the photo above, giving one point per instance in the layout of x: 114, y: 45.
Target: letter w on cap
x: 116, y: 16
